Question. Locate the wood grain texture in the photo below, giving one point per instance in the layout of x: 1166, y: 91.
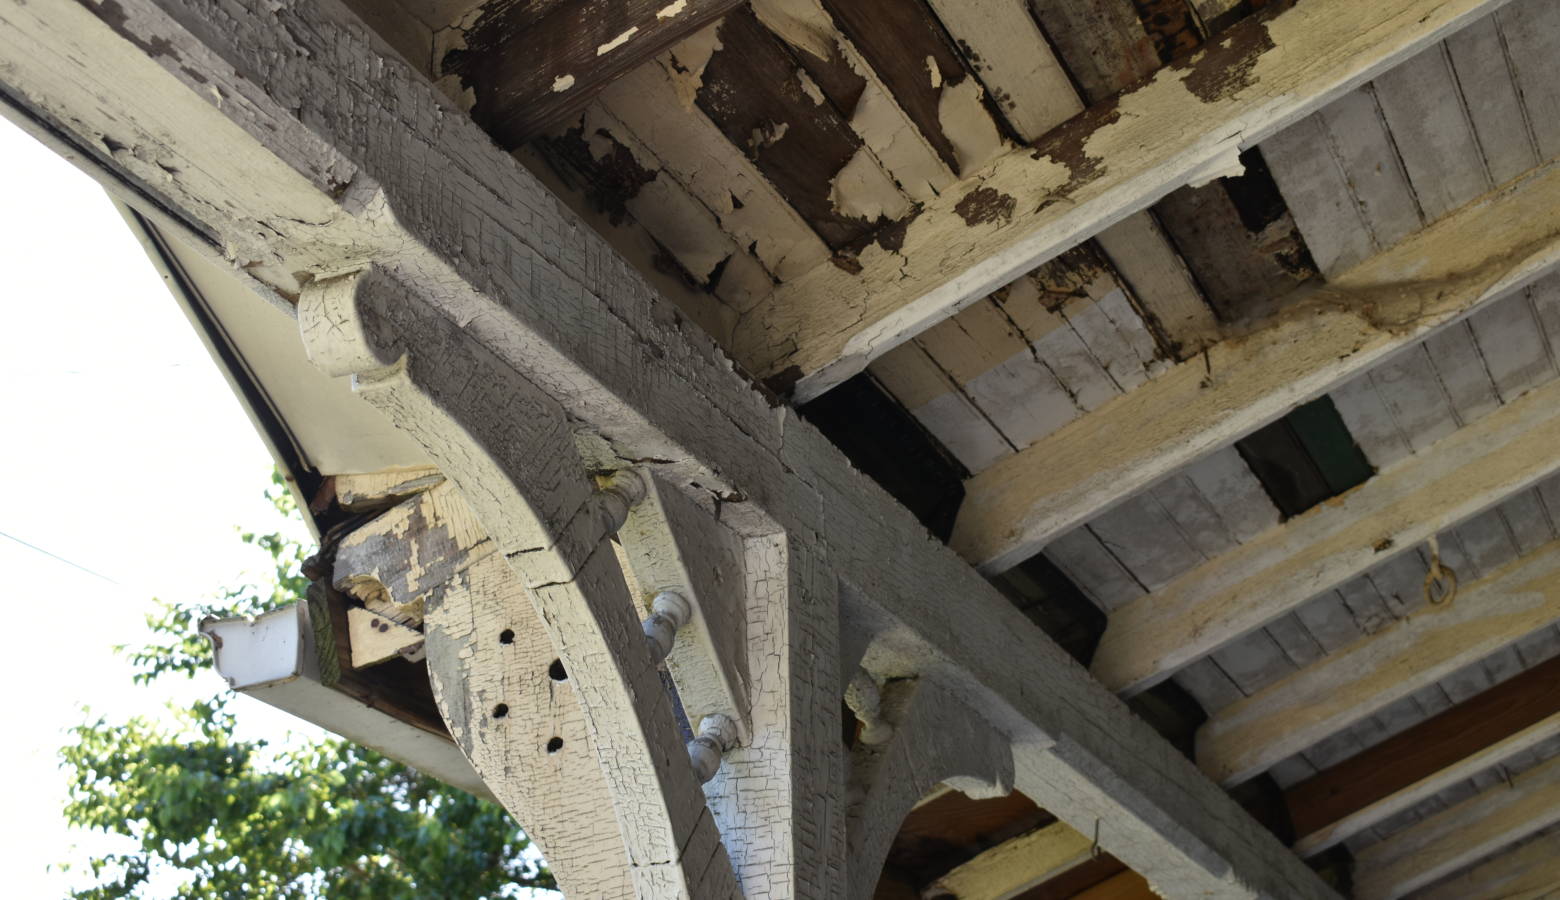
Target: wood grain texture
x: 1461, y: 835
x: 1529, y: 872
x: 1468, y: 472
x: 1185, y: 125
x: 1418, y: 753
x: 1373, y: 673
x: 530, y: 73
x: 505, y: 273
x: 1317, y: 343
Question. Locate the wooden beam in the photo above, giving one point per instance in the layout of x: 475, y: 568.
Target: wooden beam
x: 1530, y: 872
x: 1187, y: 125
x: 1126, y: 886
x: 1459, y: 836
x: 1321, y: 340
x: 1252, y: 734
x: 529, y: 74
x: 282, y: 138
x: 1467, y: 472
x: 1014, y: 866
x: 1465, y: 732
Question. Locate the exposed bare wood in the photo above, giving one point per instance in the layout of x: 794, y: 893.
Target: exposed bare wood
x: 1317, y: 343
x: 1405, y: 505
x: 1464, y: 732
x: 377, y: 490
x: 1459, y: 836
x: 1014, y: 866
x: 1186, y: 125
x: 488, y: 268
x: 1249, y: 736
x: 531, y: 73
x: 1530, y: 872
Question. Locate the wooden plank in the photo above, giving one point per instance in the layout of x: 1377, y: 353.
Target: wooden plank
x: 532, y: 72
x: 1161, y: 282
x: 1373, y: 673
x: 1319, y: 196
x: 1240, y: 591
x: 1015, y: 865
x: 1423, y: 107
x: 1102, y: 44
x: 941, y: 406
x: 1460, y: 836
x: 752, y: 90
x: 908, y: 48
x: 1369, y: 158
x: 1014, y: 507
x: 376, y: 638
x: 1531, y: 29
x: 828, y: 325
x: 482, y: 265
x: 1126, y: 886
x: 1459, y: 742
x: 1530, y: 872
x: 1483, y: 70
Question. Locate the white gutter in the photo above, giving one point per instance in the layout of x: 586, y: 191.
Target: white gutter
x: 272, y: 658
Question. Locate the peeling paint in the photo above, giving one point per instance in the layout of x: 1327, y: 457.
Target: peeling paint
x: 961, y: 112
x: 861, y: 190
x: 985, y: 205
x: 687, y: 62
x: 810, y: 87
x: 936, y: 73
x: 1227, y: 67
x: 672, y: 9
x: 562, y: 83
x: 617, y: 42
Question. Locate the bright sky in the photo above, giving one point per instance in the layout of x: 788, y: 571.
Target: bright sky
x: 125, y: 453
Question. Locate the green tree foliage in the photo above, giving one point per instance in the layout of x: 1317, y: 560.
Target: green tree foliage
x: 243, y: 819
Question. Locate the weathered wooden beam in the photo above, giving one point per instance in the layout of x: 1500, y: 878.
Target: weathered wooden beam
x: 528, y: 74
x: 1530, y: 872
x: 1478, y: 730
x: 1186, y: 125
x: 1459, y: 836
x: 1252, y: 734
x: 1467, y: 472
x: 1323, y: 338
x: 278, y: 134
x: 1014, y: 866
x: 1126, y: 886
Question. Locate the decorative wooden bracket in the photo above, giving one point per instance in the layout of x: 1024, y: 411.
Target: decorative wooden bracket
x: 935, y: 740
x: 508, y: 446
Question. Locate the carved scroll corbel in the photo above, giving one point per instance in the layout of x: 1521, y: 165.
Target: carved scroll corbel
x: 935, y: 739
x: 510, y: 450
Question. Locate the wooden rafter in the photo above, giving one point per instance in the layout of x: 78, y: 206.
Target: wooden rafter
x: 1014, y: 508
x: 1529, y: 872
x: 1275, y: 573
x: 1455, y: 744
x: 1251, y: 735
x: 1186, y: 125
x: 282, y: 135
x: 1461, y: 835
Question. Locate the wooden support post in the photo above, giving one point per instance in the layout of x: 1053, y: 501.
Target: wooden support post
x: 1460, y: 742
x: 279, y: 134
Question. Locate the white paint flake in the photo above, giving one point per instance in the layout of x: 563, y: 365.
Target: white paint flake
x: 617, y: 42
x: 671, y: 9
x: 562, y: 83
x: 936, y: 73
x: 810, y: 87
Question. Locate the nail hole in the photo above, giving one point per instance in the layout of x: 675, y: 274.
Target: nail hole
x: 500, y: 710
x: 556, y: 672
x: 554, y: 745
x: 507, y: 636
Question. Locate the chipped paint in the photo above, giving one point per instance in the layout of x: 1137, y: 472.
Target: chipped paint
x: 687, y: 61
x: 810, y: 87
x: 961, y: 112
x: 670, y: 10
x: 562, y: 83
x: 936, y: 73
x: 1228, y: 66
x: 862, y: 190
x: 617, y: 42
x: 985, y: 205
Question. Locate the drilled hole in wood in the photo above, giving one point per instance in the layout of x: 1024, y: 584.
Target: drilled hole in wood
x: 554, y: 745
x: 507, y: 636
x: 500, y: 710
x: 556, y: 671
